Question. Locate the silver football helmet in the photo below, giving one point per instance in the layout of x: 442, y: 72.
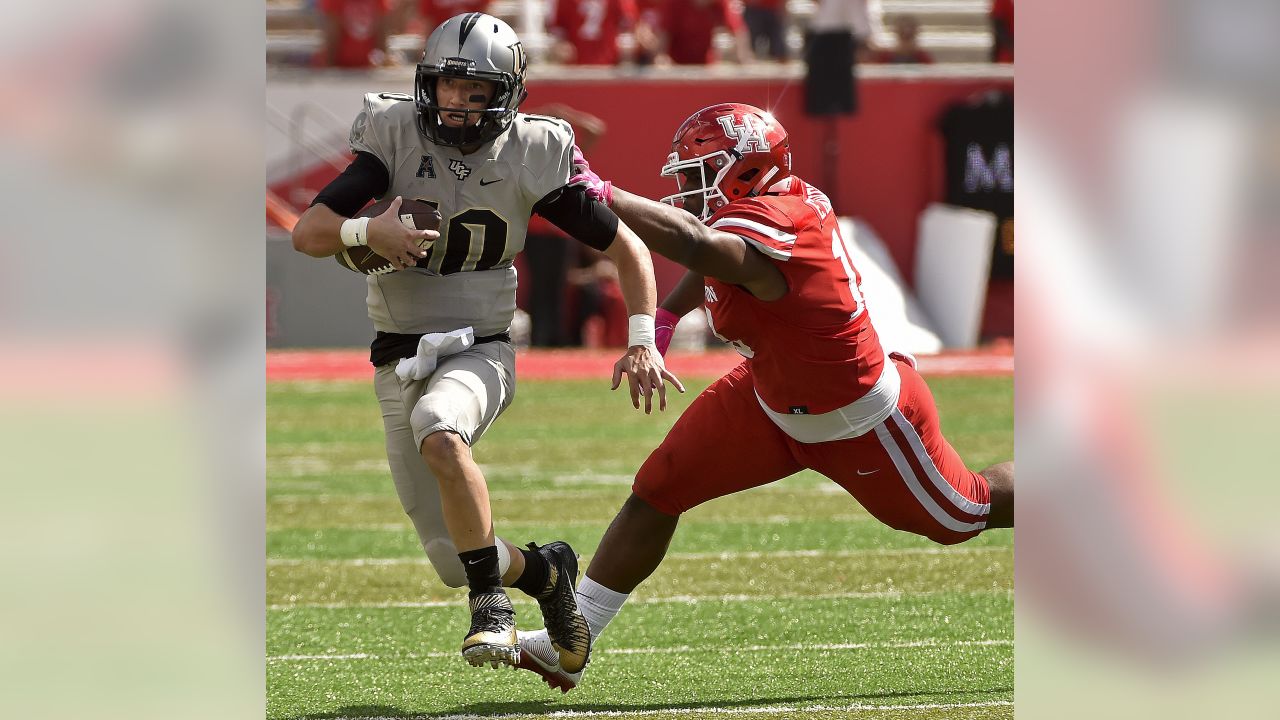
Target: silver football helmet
x: 471, y: 45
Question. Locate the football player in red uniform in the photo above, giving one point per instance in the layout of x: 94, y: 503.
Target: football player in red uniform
x: 816, y: 389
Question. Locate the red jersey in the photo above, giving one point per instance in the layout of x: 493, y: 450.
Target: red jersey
x: 689, y: 28
x: 650, y: 11
x: 592, y: 27
x: 441, y: 10
x: 357, y: 28
x: 814, y: 350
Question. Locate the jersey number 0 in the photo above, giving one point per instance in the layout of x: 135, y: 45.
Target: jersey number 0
x: 460, y: 232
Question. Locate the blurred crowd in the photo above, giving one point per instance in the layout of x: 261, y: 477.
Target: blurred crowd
x: 371, y: 33
x: 573, y: 297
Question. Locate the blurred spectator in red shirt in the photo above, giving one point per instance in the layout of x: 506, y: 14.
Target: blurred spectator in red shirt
x: 687, y: 30
x: 434, y: 12
x: 419, y: 17
x: 767, y: 21
x: 355, y: 32
x: 588, y: 30
x: 1002, y: 29
x: 648, y: 31
x: 907, y: 51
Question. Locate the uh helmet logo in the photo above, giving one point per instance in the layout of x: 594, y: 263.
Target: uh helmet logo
x: 749, y: 133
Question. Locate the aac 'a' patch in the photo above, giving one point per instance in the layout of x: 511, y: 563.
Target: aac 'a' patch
x: 427, y: 168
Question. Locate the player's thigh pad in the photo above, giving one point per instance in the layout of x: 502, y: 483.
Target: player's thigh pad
x: 722, y: 443
x: 466, y: 393
x: 905, y: 473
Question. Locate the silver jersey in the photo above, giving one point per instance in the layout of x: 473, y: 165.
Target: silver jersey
x: 485, y: 200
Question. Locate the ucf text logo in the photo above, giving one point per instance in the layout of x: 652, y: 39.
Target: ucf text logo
x: 750, y: 133
x: 460, y: 169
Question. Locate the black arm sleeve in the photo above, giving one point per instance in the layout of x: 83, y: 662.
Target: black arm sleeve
x: 363, y: 180
x: 573, y: 211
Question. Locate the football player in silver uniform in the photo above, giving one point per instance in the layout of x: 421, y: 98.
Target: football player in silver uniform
x: 445, y: 366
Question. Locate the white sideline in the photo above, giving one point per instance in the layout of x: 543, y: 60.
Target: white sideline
x: 709, y: 711
x: 678, y: 650
x: 685, y: 599
x: 726, y: 555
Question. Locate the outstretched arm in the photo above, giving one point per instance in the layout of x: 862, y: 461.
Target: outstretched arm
x: 681, y: 237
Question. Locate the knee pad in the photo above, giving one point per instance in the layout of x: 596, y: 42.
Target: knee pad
x: 504, y: 557
x: 452, y: 405
x: 444, y: 558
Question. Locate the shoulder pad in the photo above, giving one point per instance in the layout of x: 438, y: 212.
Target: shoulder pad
x: 761, y: 223
x: 543, y: 128
x: 382, y: 102
x: 564, y: 124
x: 763, y: 210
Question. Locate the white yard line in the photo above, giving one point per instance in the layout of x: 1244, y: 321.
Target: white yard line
x: 679, y: 650
x: 593, y: 479
x: 390, y: 498
x: 761, y: 710
x: 823, y: 489
x: 687, y: 599
x: 597, y: 522
x: 724, y: 556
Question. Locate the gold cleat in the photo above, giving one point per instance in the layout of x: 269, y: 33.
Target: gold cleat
x: 566, y: 627
x: 492, y: 637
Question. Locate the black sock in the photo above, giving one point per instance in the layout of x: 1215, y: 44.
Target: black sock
x: 536, y: 572
x: 481, y: 567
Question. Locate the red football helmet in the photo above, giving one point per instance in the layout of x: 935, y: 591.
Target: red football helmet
x: 741, y: 148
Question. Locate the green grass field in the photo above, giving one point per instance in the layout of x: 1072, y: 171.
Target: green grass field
x: 785, y: 601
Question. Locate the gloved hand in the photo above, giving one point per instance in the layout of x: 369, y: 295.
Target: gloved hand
x: 583, y: 176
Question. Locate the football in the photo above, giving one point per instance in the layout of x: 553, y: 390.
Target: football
x: 415, y: 214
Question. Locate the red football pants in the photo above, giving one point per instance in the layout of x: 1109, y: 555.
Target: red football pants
x: 903, y: 472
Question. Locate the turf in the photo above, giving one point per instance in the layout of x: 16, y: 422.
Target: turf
x: 784, y: 601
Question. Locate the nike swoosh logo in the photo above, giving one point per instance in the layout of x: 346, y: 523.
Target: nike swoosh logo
x: 873, y: 472
x: 489, y: 182
x: 473, y: 562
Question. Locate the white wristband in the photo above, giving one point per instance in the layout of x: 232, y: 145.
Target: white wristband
x: 355, y: 232
x: 640, y: 330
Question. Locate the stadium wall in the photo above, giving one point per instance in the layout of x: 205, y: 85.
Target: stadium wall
x: 890, y: 152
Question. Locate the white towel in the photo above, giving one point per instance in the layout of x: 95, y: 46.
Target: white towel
x: 431, y: 347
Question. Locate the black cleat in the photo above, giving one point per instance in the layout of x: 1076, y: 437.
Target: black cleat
x: 567, y: 628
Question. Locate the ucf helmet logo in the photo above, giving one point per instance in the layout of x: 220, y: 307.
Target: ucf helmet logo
x: 749, y: 134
